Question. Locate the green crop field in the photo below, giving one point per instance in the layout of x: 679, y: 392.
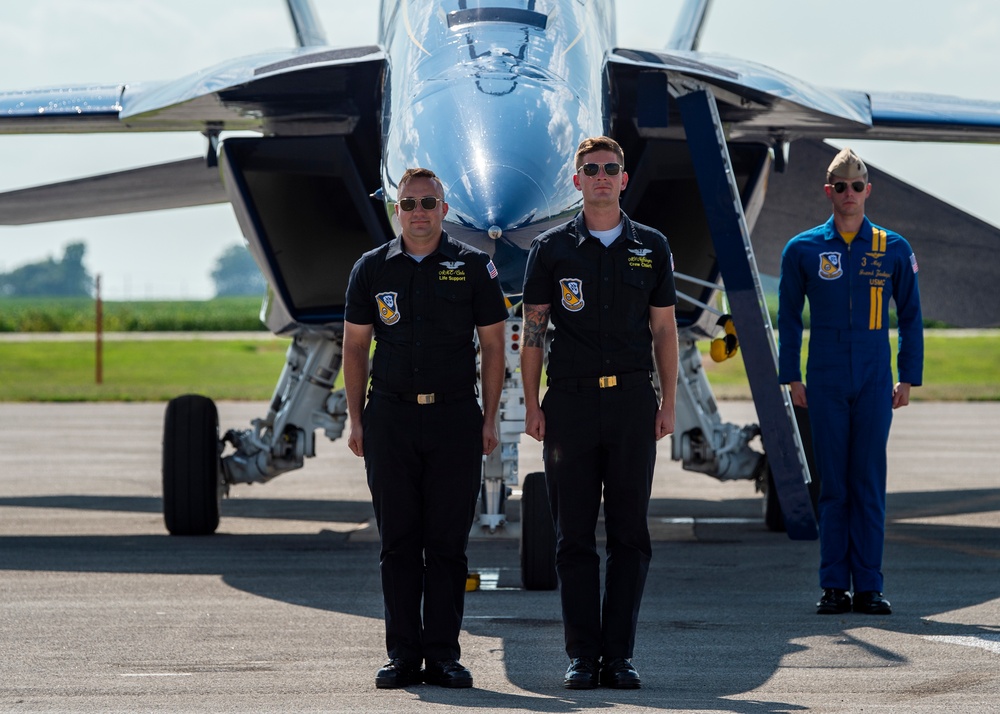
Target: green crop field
x: 79, y: 315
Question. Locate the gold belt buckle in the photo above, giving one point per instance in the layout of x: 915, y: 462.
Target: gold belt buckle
x: 425, y: 399
x: 611, y: 381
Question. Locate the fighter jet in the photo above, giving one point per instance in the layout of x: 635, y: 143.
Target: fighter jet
x: 494, y: 96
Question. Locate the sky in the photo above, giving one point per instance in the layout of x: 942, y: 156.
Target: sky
x: 883, y: 45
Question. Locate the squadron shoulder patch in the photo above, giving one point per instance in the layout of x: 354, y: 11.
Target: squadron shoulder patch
x: 572, y: 294
x: 388, y: 310
x: 830, y: 266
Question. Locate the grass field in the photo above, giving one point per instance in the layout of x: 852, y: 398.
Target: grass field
x: 959, y: 366
x: 140, y: 371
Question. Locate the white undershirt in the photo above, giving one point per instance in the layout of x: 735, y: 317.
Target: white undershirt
x: 608, y: 237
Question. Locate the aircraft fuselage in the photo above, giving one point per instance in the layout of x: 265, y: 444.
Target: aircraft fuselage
x: 494, y: 97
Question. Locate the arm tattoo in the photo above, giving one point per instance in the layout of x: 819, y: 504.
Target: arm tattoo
x: 536, y: 321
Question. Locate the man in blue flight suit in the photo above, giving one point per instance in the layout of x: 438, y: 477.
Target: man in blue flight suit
x: 849, y: 268
x: 608, y: 286
x: 422, y: 433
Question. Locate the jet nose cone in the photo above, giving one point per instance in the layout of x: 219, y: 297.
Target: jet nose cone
x: 497, y: 199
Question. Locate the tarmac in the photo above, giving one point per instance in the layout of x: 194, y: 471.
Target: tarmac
x: 281, y: 611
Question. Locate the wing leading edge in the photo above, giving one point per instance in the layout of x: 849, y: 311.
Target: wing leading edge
x: 285, y: 93
x: 176, y: 184
x: 760, y: 103
x: 270, y: 92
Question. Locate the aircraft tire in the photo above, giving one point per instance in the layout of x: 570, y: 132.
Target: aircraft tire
x: 538, y: 535
x: 805, y: 432
x: 192, y: 473
x: 774, y: 519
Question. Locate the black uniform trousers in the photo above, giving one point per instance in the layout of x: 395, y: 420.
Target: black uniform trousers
x: 424, y: 466
x: 600, y: 439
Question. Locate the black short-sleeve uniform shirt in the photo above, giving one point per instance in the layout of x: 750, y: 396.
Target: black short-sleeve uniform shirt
x: 600, y: 297
x: 424, y: 313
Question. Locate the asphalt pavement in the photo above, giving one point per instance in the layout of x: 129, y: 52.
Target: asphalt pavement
x: 280, y: 611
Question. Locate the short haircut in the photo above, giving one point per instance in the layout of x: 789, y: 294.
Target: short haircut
x: 421, y: 173
x: 599, y: 143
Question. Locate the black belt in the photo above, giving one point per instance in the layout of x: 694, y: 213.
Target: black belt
x: 629, y: 379
x: 427, y: 397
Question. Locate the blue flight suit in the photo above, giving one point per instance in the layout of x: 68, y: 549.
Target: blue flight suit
x: 849, y: 380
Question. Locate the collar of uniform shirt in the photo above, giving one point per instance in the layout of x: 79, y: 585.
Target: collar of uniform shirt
x: 627, y: 229
x: 446, y: 247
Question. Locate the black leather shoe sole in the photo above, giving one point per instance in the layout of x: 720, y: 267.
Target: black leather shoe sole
x: 834, y: 602
x: 583, y: 673
x: 450, y: 682
x: 621, y: 683
x: 872, y: 605
x: 832, y: 609
x: 397, y: 680
x: 451, y: 676
x: 620, y: 674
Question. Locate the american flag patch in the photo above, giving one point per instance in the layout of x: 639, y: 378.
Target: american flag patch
x: 913, y: 261
x: 493, y: 269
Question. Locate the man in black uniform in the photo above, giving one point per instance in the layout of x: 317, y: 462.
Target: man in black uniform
x: 607, y: 285
x: 422, y: 433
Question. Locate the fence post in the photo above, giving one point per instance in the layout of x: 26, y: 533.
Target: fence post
x: 99, y: 327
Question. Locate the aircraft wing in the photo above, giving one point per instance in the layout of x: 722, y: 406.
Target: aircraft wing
x: 757, y: 102
x: 285, y: 91
x: 715, y: 111
x: 289, y: 92
x: 176, y: 184
x: 933, y: 117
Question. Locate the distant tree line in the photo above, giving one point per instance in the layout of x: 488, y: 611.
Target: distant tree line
x: 55, y: 278
x: 235, y: 274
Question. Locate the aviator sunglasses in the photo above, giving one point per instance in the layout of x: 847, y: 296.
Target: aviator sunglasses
x: 856, y: 186
x: 611, y: 169
x: 428, y: 203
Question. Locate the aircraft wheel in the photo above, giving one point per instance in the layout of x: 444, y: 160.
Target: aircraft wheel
x: 774, y: 519
x: 538, y: 536
x: 805, y: 432
x: 192, y: 472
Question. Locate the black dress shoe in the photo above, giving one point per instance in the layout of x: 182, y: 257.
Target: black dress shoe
x: 448, y: 673
x: 834, y: 602
x: 583, y: 673
x: 618, y: 673
x: 871, y: 602
x: 398, y: 673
